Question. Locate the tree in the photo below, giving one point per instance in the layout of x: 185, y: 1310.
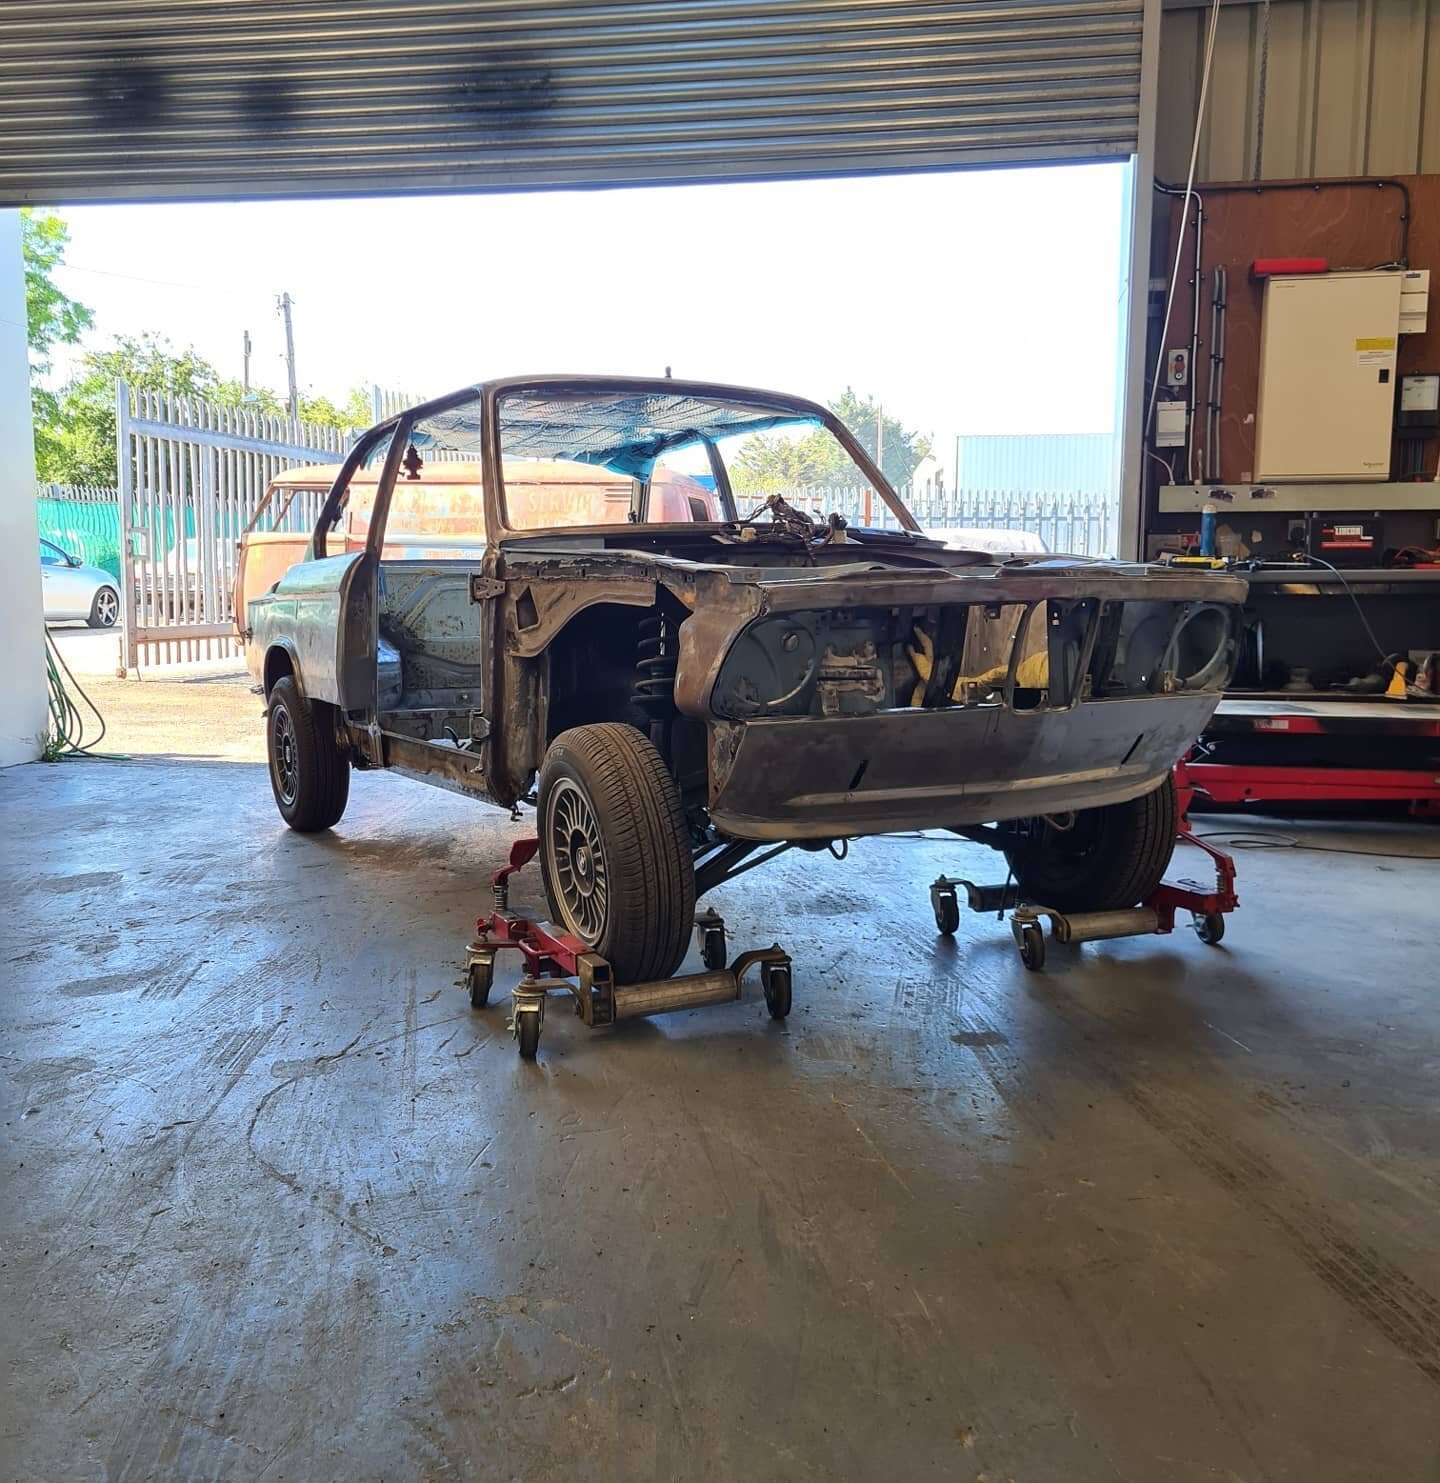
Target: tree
x: 776, y: 462
x: 51, y: 317
x: 358, y: 410
x: 75, y: 432
x: 904, y: 447
x: 77, y: 444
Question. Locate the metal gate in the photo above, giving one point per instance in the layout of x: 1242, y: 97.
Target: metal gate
x: 191, y: 477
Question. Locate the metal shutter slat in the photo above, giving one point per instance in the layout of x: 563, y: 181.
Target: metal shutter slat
x: 130, y: 100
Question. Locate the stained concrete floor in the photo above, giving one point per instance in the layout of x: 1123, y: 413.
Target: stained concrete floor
x: 277, y: 1204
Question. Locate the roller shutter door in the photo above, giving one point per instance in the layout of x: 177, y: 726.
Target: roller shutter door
x: 132, y: 99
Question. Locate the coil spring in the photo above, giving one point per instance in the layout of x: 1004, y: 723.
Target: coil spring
x: 654, y: 688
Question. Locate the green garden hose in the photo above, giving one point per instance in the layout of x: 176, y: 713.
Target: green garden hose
x: 67, y: 732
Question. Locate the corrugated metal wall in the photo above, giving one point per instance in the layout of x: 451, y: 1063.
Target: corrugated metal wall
x: 1352, y: 87
x: 139, y: 99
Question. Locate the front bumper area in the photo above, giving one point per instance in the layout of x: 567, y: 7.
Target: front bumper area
x: 829, y: 777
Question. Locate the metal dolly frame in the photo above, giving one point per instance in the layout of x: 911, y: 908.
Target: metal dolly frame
x: 551, y: 954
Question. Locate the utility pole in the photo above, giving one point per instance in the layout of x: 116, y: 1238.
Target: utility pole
x: 246, y: 382
x: 880, y: 438
x: 283, y: 304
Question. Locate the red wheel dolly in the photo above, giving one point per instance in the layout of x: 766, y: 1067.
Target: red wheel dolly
x: 552, y: 954
x: 1208, y: 902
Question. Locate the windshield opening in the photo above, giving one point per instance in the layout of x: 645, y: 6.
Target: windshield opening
x: 660, y: 457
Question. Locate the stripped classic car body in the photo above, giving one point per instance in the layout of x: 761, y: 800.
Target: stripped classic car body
x: 800, y: 681
x: 776, y: 769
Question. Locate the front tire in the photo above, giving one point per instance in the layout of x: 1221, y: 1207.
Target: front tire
x: 1108, y: 859
x: 615, y: 851
x: 309, y: 774
x: 104, y: 608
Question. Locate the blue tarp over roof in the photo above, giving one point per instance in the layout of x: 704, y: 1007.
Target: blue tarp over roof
x: 624, y: 431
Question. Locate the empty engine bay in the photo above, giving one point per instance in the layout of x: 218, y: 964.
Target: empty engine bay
x: 1047, y: 654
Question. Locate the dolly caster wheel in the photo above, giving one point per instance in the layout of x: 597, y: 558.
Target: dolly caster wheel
x: 946, y: 906
x: 710, y: 933
x: 479, y: 975
x: 1030, y: 936
x: 775, y: 980
x: 1209, y: 927
x: 527, y: 1014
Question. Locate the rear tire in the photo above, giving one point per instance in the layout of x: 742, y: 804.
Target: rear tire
x: 1110, y: 858
x: 309, y: 774
x: 615, y: 851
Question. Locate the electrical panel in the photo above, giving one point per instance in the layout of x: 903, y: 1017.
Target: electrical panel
x: 1418, y: 414
x: 1327, y: 377
x: 1414, y: 300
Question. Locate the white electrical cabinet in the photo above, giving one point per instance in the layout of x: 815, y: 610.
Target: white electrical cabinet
x: 1327, y: 377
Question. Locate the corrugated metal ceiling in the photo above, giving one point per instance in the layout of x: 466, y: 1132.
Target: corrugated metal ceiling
x: 127, y: 99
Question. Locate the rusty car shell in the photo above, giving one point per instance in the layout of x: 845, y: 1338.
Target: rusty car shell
x: 870, y: 755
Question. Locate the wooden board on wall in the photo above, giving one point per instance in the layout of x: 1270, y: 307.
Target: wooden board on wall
x: 1350, y: 224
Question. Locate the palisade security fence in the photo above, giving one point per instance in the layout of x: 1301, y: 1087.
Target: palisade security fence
x: 191, y: 476
x: 193, y: 473
x: 1069, y: 523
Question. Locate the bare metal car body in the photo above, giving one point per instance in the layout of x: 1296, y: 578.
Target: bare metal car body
x: 856, y: 682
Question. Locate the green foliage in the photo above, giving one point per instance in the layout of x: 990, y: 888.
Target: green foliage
x: 51, y: 317
x: 75, y: 444
x: 770, y: 462
x: 75, y: 431
x: 357, y: 411
x: 904, y: 447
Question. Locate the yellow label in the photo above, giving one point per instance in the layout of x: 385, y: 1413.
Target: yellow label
x: 1376, y: 342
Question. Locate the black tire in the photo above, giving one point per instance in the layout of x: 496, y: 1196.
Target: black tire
x: 1032, y: 946
x: 712, y: 948
x: 947, y: 914
x: 622, y: 878
x: 104, y: 608
x: 1109, y: 859
x: 775, y: 979
x: 1209, y: 927
x: 309, y: 774
x: 479, y: 977
x: 527, y: 1035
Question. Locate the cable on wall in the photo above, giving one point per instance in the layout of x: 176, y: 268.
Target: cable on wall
x: 1189, y: 193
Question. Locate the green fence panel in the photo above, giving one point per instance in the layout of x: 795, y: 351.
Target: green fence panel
x: 89, y: 531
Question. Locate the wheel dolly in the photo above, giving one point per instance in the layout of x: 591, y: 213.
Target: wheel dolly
x: 1208, y: 905
x: 551, y: 953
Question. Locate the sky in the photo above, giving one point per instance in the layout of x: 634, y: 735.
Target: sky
x: 979, y: 301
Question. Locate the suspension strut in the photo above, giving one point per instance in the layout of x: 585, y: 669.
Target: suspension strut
x: 654, y: 690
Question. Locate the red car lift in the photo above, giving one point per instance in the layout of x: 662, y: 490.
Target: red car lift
x: 550, y: 953
x: 1207, y: 903
x: 1366, y: 727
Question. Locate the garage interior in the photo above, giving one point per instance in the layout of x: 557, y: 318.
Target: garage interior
x: 278, y: 1203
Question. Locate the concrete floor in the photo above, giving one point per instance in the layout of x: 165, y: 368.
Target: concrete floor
x: 278, y: 1204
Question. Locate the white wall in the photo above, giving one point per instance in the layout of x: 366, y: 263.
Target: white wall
x: 22, y: 626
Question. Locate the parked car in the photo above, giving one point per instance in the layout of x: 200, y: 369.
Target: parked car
x: 993, y: 542
x: 73, y: 590
x: 678, y: 675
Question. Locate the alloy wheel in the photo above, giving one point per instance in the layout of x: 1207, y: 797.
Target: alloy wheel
x: 578, y: 861
x: 284, y: 756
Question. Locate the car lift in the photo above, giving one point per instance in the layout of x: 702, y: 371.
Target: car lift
x: 551, y: 953
x: 1208, y: 905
